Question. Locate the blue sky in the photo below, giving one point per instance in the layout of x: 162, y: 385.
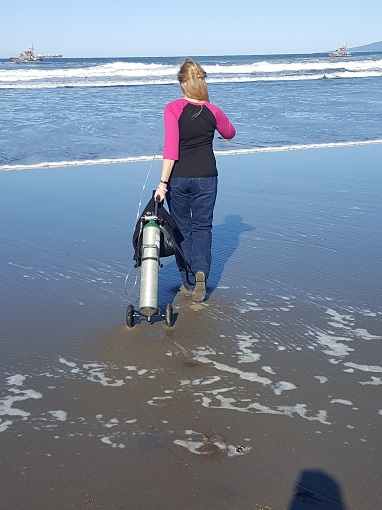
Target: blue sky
x: 116, y: 28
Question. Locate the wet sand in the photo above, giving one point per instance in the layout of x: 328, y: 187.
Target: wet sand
x: 266, y: 396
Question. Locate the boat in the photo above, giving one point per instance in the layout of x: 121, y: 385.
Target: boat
x: 342, y: 51
x: 26, y: 56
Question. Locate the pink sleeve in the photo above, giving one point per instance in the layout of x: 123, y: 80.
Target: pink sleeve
x: 172, y: 113
x: 223, y: 124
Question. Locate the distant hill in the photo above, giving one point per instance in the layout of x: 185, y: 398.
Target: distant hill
x: 377, y: 46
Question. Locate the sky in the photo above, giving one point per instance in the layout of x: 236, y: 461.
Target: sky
x: 128, y: 28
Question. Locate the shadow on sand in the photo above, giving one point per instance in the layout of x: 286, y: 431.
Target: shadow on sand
x: 225, y: 241
x: 316, y: 489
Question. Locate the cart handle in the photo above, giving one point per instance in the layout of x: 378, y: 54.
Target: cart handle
x: 157, y: 201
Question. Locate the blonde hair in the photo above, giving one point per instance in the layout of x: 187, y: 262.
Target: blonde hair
x: 191, y: 77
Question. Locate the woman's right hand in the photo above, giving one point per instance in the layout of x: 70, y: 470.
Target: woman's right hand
x: 161, y: 193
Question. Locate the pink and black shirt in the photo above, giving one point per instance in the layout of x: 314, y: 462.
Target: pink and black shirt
x: 189, y: 135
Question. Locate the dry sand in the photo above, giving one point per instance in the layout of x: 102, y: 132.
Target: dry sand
x: 266, y: 396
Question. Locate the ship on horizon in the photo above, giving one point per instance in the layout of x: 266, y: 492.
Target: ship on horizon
x: 342, y: 51
x: 26, y: 56
x: 48, y: 55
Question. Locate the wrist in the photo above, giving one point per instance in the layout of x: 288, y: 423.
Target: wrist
x: 162, y: 188
x: 163, y: 182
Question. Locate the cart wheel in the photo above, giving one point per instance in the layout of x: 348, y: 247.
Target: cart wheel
x: 169, y: 315
x: 130, y: 316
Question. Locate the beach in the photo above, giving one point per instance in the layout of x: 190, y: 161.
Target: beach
x: 264, y: 397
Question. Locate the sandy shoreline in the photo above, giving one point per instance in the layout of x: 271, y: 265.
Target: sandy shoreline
x: 265, y: 396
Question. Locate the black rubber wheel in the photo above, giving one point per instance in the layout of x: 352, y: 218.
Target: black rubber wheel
x: 169, y: 315
x: 130, y: 316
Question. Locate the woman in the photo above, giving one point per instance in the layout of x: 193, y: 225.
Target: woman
x: 189, y: 173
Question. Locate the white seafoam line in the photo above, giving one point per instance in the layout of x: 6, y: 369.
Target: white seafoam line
x: 7, y: 409
x: 301, y: 410
x: 139, y: 70
x: 134, y: 81
x: 59, y: 415
x: 277, y: 387
x: 233, y: 152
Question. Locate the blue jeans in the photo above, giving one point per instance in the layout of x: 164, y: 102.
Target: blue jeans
x: 191, y: 201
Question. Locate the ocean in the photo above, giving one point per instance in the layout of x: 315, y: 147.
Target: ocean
x: 72, y: 111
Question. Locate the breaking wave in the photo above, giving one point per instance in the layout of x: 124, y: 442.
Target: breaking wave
x: 133, y: 159
x: 120, y: 73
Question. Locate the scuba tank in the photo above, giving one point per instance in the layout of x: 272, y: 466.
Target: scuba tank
x: 148, y: 302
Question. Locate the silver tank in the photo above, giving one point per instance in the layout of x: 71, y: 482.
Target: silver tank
x: 148, y: 302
